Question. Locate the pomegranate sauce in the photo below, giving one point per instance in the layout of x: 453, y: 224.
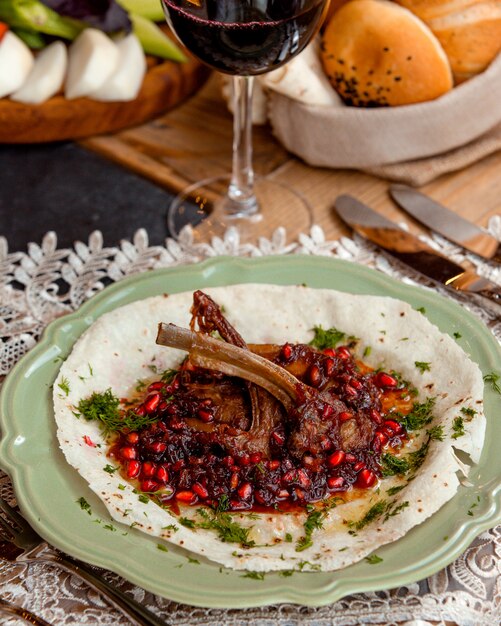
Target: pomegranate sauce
x: 244, y: 38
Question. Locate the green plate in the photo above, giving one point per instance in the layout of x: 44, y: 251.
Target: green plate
x: 47, y: 488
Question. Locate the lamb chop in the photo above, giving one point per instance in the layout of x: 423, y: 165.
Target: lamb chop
x: 277, y: 397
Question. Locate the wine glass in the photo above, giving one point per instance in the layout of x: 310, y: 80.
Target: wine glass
x: 243, y: 38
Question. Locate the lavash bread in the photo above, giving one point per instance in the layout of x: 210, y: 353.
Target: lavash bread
x: 468, y: 30
x: 378, y: 53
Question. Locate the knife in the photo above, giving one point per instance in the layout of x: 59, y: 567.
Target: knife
x: 447, y: 223
x: 412, y: 251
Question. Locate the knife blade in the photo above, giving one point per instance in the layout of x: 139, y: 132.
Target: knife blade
x: 447, y: 223
x: 413, y: 252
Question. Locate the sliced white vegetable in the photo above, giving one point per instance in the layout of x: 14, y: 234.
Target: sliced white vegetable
x: 16, y: 61
x: 46, y: 77
x: 126, y: 81
x: 93, y: 57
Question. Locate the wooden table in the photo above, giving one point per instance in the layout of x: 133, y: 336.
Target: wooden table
x: 194, y: 142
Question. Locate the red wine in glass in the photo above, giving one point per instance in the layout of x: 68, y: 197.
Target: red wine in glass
x: 243, y: 38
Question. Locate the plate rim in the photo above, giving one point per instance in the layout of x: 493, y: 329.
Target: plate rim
x: 281, y: 591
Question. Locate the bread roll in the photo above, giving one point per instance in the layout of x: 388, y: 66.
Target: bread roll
x: 468, y: 30
x: 377, y: 53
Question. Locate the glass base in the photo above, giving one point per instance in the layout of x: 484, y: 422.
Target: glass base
x: 207, y: 208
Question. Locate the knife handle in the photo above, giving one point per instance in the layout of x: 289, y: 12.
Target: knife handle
x: 493, y: 294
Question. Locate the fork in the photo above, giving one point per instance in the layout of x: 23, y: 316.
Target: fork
x: 22, y: 543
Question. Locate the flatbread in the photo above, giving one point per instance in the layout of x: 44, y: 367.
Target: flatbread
x: 119, y: 348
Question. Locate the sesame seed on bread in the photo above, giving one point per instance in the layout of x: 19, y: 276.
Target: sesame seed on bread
x: 377, y: 53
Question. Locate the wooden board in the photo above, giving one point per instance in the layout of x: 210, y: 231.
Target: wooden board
x: 166, y: 84
x: 194, y: 141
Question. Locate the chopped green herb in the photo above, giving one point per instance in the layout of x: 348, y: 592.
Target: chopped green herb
x: 394, y: 490
x: 121, y: 487
x: 170, y: 527
x: 393, y: 510
x: 419, y: 416
x: 313, y: 566
x: 373, y: 559
x: 254, y: 575
x: 392, y: 465
x: 153, y: 368
x: 223, y: 504
x: 64, y: 385
x: 161, y: 547
x: 227, y: 529
x: 286, y: 573
x: 142, y: 497
x: 288, y: 537
x: 436, y: 433
x: 140, y: 385
x: 457, y: 335
x: 458, y: 427
x: 416, y: 458
x: 373, y: 513
x: 110, y: 469
x: 193, y: 561
x: 493, y: 379
x: 110, y: 527
x: 188, y: 523
x: 469, y: 412
x: 313, y: 521
x: 328, y: 338
x: 422, y: 366
x: 104, y: 407
x: 84, y: 505
x: 367, y: 351
x: 421, y: 309
x: 168, y: 375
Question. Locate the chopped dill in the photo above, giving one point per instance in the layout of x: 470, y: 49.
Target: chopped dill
x: 392, y: 465
x: 64, y: 385
x: 493, y: 379
x: 436, y: 433
x: 254, y: 575
x: 328, y: 338
x: 373, y: 559
x: 110, y: 469
x: 419, y: 416
x: 394, y: 490
x: 458, y: 427
x: 367, y: 351
x: 469, y: 412
x: 228, y: 530
x: 168, y: 375
x: 160, y: 546
x: 188, y: 523
x: 373, y: 513
x: 422, y: 366
x: 84, y: 505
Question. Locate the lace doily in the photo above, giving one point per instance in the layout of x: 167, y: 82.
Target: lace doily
x: 44, y: 283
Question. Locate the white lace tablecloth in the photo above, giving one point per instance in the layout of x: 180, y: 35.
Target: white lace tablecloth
x: 45, y: 282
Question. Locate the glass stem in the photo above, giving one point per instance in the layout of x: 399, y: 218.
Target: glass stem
x: 241, y: 199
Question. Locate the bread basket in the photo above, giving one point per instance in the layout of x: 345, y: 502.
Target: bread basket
x: 339, y: 136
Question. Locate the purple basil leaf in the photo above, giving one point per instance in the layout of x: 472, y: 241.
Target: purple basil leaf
x: 106, y: 15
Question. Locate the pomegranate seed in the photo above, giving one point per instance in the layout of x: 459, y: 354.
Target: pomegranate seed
x: 278, y: 437
x: 289, y: 476
x: 156, y: 386
x: 334, y: 482
x: 140, y: 411
x: 343, y: 353
x: 329, y: 366
x: 151, y: 403
x: 382, y: 437
x: 299, y: 493
x: 314, y: 376
x: 158, y: 447
x: 245, y: 491
x: 255, y: 457
x: 162, y: 473
x: 394, y: 426
x: 89, y: 441
x: 376, y: 416
x: 149, y: 485
x: 329, y: 352
x: 350, y: 458
x: 162, y: 406
x: 336, y: 458
x: 149, y: 469
x: 244, y: 459
x: 171, y: 409
x: 366, y: 478
x: 356, y: 383
x: 383, y: 379
x: 133, y: 469
x: 303, y: 478
x: 176, y: 424
x: 128, y: 453
x: 228, y: 461
x: 200, y: 490
x: 132, y: 437
x: 238, y: 505
x: 358, y: 466
x: 350, y: 391
x: 344, y: 416
x: 287, y: 351
x: 205, y: 415
x: 178, y: 465
x: 274, y: 465
x: 283, y: 493
x: 186, y: 496
x: 234, y: 480
x: 327, y: 411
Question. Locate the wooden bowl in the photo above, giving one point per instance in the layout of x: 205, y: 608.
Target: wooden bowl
x: 165, y: 85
